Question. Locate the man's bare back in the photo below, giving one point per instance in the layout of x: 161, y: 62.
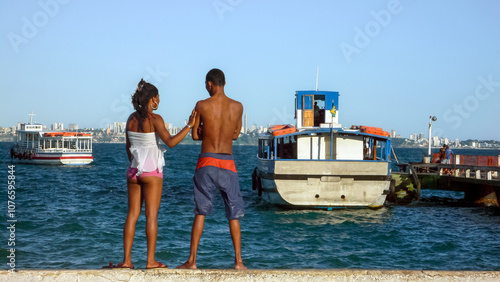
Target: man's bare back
x: 220, y: 121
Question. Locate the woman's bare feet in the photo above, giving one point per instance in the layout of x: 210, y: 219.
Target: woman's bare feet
x: 187, y: 265
x: 120, y: 265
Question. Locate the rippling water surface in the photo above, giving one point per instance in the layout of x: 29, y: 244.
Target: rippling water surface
x: 72, y: 217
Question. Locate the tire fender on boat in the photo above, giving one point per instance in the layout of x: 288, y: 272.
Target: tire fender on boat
x: 256, y: 182
x: 254, y: 179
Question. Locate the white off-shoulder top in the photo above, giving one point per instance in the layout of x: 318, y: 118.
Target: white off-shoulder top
x: 147, y: 153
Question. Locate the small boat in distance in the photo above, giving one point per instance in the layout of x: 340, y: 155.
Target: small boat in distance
x: 53, y: 148
x: 317, y: 164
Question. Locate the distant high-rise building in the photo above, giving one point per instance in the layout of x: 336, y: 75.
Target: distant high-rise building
x: 393, y: 133
x: 245, y: 130
x: 73, y: 126
x: 119, y: 127
x: 53, y: 126
x: 435, y: 141
x: 446, y: 141
x: 60, y: 126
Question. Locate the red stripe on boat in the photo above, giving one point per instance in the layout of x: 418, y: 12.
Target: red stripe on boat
x: 60, y: 158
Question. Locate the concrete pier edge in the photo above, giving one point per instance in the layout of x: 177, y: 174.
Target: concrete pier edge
x: 246, y: 275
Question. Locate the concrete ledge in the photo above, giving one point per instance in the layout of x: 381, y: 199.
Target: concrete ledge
x: 247, y: 275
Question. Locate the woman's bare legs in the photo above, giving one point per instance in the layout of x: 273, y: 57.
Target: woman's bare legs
x: 151, y: 190
x: 134, y: 210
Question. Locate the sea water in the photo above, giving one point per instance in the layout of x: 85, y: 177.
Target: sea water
x: 71, y: 217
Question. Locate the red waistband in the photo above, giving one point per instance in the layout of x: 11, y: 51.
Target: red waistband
x: 208, y: 161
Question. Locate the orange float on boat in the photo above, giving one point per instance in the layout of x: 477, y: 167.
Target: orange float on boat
x: 52, y: 134
x: 371, y: 130
x: 282, y: 129
x: 65, y: 134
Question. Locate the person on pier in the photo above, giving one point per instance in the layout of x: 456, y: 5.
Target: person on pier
x: 448, y: 153
x: 217, y: 124
x: 145, y: 171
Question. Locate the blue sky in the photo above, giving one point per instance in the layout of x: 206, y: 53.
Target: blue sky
x: 395, y: 63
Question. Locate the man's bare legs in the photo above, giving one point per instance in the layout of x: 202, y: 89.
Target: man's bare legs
x: 196, y: 231
x: 234, y: 228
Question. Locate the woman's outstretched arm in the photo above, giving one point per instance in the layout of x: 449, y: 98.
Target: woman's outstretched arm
x: 171, y: 141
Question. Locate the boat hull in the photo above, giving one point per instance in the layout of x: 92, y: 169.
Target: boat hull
x: 324, y: 184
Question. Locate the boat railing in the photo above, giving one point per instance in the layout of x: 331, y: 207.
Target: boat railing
x: 63, y: 150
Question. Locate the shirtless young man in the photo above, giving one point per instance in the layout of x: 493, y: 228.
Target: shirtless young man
x: 217, y: 124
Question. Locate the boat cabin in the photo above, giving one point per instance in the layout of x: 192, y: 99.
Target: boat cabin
x: 317, y: 109
x: 320, y: 136
x: 32, y: 138
x: 325, y: 145
x: 29, y: 135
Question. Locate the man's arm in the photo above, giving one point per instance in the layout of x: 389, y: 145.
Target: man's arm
x: 197, y: 131
x: 236, y: 133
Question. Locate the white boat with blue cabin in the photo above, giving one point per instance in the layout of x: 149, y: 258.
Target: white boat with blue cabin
x: 318, y: 164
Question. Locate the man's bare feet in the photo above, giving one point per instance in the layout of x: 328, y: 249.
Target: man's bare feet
x: 156, y: 264
x: 187, y: 265
x: 239, y: 265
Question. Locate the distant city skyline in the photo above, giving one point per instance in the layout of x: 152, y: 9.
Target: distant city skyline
x: 173, y: 129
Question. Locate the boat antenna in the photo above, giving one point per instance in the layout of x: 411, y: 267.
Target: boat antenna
x: 317, y: 75
x: 31, y: 117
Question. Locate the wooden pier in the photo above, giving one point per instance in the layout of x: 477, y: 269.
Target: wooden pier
x: 480, y: 184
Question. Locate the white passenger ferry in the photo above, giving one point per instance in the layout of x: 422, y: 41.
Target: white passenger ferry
x: 320, y: 165
x: 53, y: 148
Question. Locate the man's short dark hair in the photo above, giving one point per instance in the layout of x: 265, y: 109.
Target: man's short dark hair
x: 216, y: 76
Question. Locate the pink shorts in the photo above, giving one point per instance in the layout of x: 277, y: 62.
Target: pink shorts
x: 132, y: 174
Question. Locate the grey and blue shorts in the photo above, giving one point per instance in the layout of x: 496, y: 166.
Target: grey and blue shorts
x: 217, y: 171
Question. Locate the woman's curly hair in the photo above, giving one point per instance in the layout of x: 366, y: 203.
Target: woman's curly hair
x: 140, y: 99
